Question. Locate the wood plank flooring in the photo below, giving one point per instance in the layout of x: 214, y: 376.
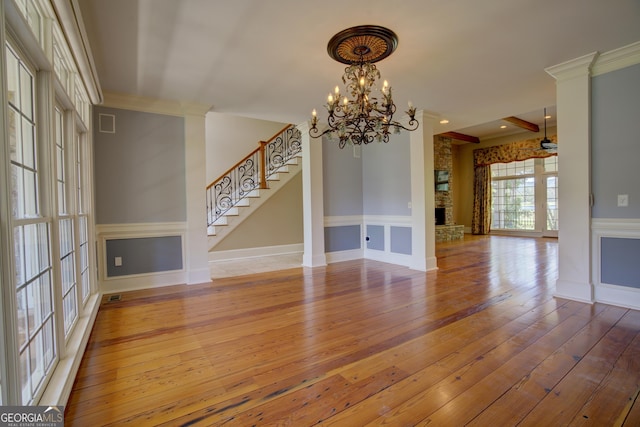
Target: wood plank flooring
x: 480, y: 342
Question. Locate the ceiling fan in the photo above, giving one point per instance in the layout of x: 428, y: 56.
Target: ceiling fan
x: 546, y: 144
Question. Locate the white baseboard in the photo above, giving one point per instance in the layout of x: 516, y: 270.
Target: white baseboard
x: 144, y: 281
x: 340, y: 256
x: 235, y: 254
x: 575, y: 291
x: 202, y: 275
x: 620, y: 296
x: 390, y: 257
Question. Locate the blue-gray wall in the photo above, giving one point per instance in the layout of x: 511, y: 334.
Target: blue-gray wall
x: 378, y: 182
x: 615, y: 98
x: 619, y: 261
x: 615, y: 152
x: 139, y: 169
x: 375, y: 237
x: 342, y: 238
x: 342, y: 180
x: 400, y: 240
x: 144, y: 255
x: 140, y: 178
x: 386, y: 181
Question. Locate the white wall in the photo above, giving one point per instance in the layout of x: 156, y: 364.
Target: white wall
x: 230, y: 138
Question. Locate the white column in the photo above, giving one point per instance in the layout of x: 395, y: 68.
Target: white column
x: 312, y: 200
x: 423, y: 234
x: 573, y: 83
x: 195, y: 161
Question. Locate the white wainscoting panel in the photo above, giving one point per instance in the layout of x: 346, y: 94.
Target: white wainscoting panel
x: 607, y: 293
x: 105, y: 232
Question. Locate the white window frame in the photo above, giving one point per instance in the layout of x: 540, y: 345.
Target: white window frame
x: 33, y: 40
x: 538, y: 176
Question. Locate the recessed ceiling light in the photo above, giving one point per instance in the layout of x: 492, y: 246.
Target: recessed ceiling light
x: 503, y: 127
x: 444, y: 121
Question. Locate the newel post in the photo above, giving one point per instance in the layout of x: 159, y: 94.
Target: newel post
x: 263, y: 165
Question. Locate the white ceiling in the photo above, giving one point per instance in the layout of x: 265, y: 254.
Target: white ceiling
x: 472, y: 62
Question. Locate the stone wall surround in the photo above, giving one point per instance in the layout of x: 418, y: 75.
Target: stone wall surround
x: 443, y: 160
x: 446, y: 233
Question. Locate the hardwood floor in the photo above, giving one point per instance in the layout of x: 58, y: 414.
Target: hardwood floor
x: 479, y: 342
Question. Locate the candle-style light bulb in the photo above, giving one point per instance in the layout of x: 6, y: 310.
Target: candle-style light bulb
x: 385, y: 87
x: 313, y: 113
x: 330, y: 99
x: 361, y: 81
x: 337, y: 90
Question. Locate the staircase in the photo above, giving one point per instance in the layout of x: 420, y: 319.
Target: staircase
x: 249, y: 183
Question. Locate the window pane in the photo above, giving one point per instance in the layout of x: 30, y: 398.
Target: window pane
x: 552, y: 203
x: 551, y: 164
x: 37, y: 362
x: 68, y: 273
x: 31, y: 251
x: 25, y: 377
x: 23, y: 325
x: 26, y: 93
x: 30, y: 194
x: 15, y: 136
x: 17, y: 193
x: 28, y: 145
x: 12, y: 78
x: 513, y: 204
x: 44, y: 254
x: 46, y: 298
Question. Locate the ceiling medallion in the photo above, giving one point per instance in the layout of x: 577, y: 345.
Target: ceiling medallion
x: 366, y: 115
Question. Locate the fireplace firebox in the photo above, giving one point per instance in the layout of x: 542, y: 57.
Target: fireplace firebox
x: 441, y: 218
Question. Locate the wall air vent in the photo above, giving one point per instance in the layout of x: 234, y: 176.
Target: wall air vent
x: 106, y: 123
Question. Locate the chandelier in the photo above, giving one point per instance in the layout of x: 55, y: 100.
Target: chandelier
x: 365, y: 113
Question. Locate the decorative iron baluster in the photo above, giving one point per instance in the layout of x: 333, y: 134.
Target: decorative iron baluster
x: 247, y: 175
x: 232, y: 187
x: 282, y: 148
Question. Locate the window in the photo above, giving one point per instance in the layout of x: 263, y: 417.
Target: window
x: 83, y: 217
x: 513, y: 195
x: 518, y: 188
x: 551, y: 181
x: 51, y: 258
x: 65, y: 221
x: 31, y: 235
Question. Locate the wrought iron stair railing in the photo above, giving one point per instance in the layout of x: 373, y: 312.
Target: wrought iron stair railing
x: 252, y: 172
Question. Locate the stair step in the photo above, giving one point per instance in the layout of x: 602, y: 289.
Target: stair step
x: 231, y: 212
x: 220, y: 221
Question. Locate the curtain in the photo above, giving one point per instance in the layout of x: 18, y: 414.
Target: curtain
x: 481, y: 220
x: 483, y: 158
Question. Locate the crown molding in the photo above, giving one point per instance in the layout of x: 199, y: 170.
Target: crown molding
x: 152, y: 105
x: 617, y: 59
x: 577, y: 67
